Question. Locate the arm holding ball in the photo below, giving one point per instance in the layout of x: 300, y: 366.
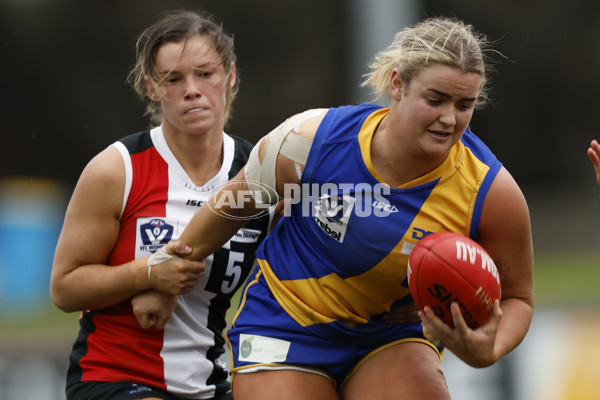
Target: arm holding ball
x: 505, y: 233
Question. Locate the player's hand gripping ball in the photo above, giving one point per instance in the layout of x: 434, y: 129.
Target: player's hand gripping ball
x: 447, y: 267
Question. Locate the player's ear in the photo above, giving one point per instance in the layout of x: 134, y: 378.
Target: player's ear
x: 397, y: 85
x: 150, y: 90
x: 232, y: 75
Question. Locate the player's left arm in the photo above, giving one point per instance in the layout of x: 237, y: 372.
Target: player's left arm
x: 505, y: 232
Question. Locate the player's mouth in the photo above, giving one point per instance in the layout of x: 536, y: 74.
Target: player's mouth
x: 440, y: 134
x: 196, y: 109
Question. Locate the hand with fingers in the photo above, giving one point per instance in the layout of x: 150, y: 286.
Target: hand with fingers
x: 594, y: 155
x: 170, y: 275
x: 153, y: 309
x: 474, y: 347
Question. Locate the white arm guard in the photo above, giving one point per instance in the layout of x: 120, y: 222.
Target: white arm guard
x: 284, y: 140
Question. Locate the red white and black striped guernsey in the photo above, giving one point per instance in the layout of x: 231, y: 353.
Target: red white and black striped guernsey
x: 158, y: 202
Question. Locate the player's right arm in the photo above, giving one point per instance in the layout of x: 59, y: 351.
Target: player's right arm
x: 81, y: 278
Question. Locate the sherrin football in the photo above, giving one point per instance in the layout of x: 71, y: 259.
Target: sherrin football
x: 447, y: 267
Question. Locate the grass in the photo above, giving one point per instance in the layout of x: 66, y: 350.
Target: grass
x: 569, y: 278
x: 46, y: 330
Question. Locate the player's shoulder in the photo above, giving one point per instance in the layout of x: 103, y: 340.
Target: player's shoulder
x: 505, y: 189
x: 137, y: 142
x: 241, y: 152
x: 242, y: 145
x: 242, y: 148
x: 308, y: 122
x: 106, y: 169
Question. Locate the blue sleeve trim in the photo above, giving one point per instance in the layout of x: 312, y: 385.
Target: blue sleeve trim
x: 495, y: 166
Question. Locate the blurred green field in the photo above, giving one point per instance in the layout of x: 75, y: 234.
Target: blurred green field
x: 561, y: 279
x: 567, y: 278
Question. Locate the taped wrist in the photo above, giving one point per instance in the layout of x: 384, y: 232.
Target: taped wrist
x: 159, y: 257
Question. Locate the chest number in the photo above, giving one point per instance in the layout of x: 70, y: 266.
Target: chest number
x: 233, y: 273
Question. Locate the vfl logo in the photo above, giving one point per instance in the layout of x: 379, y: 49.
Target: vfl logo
x: 332, y: 215
x: 156, y: 232
x: 152, y: 233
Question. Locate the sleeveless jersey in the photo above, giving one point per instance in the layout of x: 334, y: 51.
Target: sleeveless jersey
x: 159, y: 200
x: 338, y: 261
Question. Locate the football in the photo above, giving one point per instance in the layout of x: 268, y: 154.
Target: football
x: 447, y: 267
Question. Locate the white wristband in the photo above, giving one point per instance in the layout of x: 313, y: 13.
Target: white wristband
x: 159, y: 257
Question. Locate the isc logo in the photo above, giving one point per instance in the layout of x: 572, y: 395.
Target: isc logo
x: 389, y: 208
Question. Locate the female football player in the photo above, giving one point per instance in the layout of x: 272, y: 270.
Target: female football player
x: 137, y: 195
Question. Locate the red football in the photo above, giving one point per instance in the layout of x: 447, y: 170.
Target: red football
x: 447, y: 267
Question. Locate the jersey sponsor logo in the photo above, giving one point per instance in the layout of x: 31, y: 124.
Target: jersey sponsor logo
x: 246, y: 235
x: 153, y: 233
x: 332, y: 214
x: 417, y: 233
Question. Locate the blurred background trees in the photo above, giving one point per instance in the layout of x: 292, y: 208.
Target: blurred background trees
x: 64, y: 64
x: 63, y: 69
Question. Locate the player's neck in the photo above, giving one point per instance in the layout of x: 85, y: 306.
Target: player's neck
x: 200, y: 155
x: 393, y: 161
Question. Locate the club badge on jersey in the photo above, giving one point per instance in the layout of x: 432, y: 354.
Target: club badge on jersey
x: 152, y: 233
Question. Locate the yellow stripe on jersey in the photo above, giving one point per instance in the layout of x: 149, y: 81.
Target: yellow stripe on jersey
x: 450, y: 205
x: 365, y: 137
x: 352, y: 300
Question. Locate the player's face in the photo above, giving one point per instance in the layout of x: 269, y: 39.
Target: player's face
x: 192, y: 86
x: 436, y: 107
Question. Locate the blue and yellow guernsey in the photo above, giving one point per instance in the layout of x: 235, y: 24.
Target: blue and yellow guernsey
x: 341, y: 255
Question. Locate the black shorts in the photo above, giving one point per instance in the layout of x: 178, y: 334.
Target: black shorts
x: 122, y: 391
